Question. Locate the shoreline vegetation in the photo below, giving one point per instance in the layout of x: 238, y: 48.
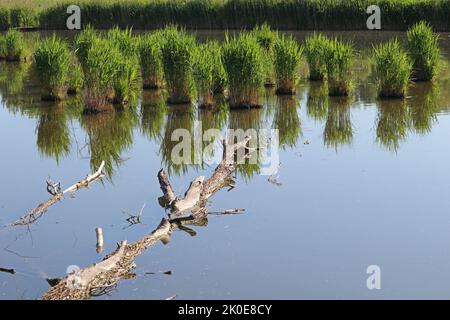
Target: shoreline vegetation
x: 111, y: 67
x: 396, y: 15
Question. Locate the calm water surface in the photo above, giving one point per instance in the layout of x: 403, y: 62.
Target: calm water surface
x: 363, y: 182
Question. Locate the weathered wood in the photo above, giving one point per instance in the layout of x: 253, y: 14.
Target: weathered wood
x: 119, y: 264
x: 33, y: 215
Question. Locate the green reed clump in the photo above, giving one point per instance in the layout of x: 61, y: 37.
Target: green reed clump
x: 267, y: 38
x: 2, y: 47
x: 219, y: 74
x: 52, y: 57
x: 126, y: 80
x: 178, y: 54
x: 244, y: 63
x: 339, y: 56
x: 124, y: 40
x: 316, y: 47
x: 287, y: 54
x: 203, y: 65
x: 100, y: 69
x: 393, y: 69
x: 423, y: 46
x: 76, y: 77
x: 150, y: 54
x: 83, y: 42
x: 14, y: 46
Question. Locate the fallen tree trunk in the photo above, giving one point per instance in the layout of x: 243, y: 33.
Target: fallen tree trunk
x: 119, y: 264
x: 33, y: 215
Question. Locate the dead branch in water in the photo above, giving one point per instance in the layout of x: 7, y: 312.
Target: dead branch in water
x: 119, y: 264
x: 55, y: 190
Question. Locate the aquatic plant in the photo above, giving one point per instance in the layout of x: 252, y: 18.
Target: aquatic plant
x: 423, y: 47
x: 219, y: 74
x: 84, y: 41
x: 14, y: 46
x: 239, y: 14
x: 100, y: 70
x: 287, y: 54
x: 203, y: 75
x: 178, y: 52
x: 267, y: 38
x: 52, y: 58
x: 393, y: 69
x: 244, y: 64
x: 126, y: 79
x: 76, y: 77
x: 316, y: 47
x: 124, y: 40
x: 151, y: 60
x: 339, y: 56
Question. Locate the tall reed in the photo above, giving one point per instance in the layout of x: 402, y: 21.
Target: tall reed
x: 52, y: 64
x: 14, y: 46
x: 203, y: 66
x: 423, y: 46
x: 76, y: 77
x: 151, y: 60
x: 218, y: 73
x: 244, y: 63
x: 339, y: 56
x: 316, y: 47
x: 287, y: 54
x: 100, y: 70
x: 393, y: 69
x: 267, y: 38
x: 178, y: 54
x: 83, y: 42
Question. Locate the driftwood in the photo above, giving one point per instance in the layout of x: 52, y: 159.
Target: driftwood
x: 119, y: 264
x: 55, y: 190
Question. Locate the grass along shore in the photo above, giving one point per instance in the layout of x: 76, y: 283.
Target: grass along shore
x: 227, y: 14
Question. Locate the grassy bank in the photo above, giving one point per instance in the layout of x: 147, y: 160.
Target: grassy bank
x: 230, y: 14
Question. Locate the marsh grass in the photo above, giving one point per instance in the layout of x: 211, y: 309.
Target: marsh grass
x: 52, y: 58
x: 100, y: 70
x: 339, y: 57
x: 83, y: 42
x: 219, y: 74
x: 267, y: 39
x: 150, y: 55
x: 76, y: 77
x: 124, y: 40
x: 203, y: 67
x: 316, y: 47
x: 244, y: 63
x: 126, y: 79
x: 423, y: 47
x: 13, y: 46
x: 393, y: 69
x: 287, y: 55
x: 178, y: 53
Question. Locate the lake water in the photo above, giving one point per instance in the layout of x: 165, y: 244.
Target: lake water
x: 361, y: 182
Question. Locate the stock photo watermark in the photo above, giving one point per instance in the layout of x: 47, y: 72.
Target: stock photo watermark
x: 374, y: 280
x: 202, y: 147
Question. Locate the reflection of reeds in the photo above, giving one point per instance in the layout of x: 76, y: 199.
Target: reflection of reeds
x: 178, y: 117
x: 153, y: 111
x: 247, y: 120
x: 53, y: 136
x: 287, y: 121
x: 338, y: 128
x: 423, y: 106
x: 317, y: 101
x: 109, y: 134
x: 392, y: 123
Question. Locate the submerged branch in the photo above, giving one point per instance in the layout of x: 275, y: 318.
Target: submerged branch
x: 118, y: 265
x: 54, y: 188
